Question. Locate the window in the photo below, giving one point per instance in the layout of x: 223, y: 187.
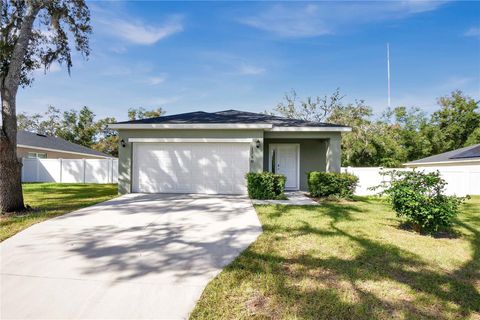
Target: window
x: 38, y: 155
x: 274, y: 161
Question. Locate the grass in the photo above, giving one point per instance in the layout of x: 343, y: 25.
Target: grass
x: 49, y: 200
x: 349, y: 260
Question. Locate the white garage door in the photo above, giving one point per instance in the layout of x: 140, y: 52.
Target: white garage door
x: 214, y: 168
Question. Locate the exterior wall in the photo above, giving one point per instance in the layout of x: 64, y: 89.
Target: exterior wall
x: 334, y: 153
x: 125, y: 154
x: 312, y: 156
x: 318, y: 150
x: 23, y: 153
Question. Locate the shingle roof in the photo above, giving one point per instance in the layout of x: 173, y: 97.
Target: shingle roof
x: 33, y: 140
x: 230, y: 117
x: 462, y: 154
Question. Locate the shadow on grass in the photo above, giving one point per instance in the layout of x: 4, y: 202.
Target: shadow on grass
x: 336, y: 211
x: 376, y: 262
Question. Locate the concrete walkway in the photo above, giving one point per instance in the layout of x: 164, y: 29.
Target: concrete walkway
x: 137, y: 256
x: 295, y: 198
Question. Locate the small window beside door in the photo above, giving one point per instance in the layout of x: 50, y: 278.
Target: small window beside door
x: 37, y: 155
x: 274, y: 161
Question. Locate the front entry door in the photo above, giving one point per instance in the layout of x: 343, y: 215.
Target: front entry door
x: 284, y: 159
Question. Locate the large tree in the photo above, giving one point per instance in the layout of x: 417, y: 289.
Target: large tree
x: 409, y: 125
x: 107, y: 139
x: 78, y: 127
x: 457, y: 119
x: 142, y: 113
x: 315, y: 109
x: 33, y: 34
x: 46, y: 123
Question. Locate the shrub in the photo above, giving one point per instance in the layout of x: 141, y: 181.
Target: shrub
x: 324, y: 184
x: 420, y: 198
x: 265, y: 185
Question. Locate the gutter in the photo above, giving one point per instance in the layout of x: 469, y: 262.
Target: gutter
x: 224, y: 126
x: 414, y: 164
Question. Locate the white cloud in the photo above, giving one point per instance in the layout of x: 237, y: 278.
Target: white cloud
x: 283, y: 21
x: 138, y: 32
x: 472, y: 32
x: 296, y: 20
x: 246, y: 69
x: 153, y: 81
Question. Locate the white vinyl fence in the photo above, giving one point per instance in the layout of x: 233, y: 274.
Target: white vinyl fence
x: 70, y: 170
x: 461, y: 180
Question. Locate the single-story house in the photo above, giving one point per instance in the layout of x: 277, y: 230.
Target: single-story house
x: 36, y: 145
x: 467, y: 157
x: 210, y: 152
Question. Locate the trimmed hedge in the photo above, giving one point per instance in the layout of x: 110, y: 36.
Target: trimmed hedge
x: 324, y: 184
x: 265, y: 185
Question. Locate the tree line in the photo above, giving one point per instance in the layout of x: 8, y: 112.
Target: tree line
x: 80, y: 126
x: 395, y: 136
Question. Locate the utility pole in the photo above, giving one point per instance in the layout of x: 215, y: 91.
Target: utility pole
x: 388, y: 72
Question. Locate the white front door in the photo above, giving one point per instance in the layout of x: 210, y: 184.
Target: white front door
x: 284, y: 159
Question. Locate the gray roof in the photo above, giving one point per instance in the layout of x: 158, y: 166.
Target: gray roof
x: 33, y: 140
x: 231, y: 117
x: 462, y: 154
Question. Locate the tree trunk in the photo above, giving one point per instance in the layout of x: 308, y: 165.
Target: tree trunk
x: 11, y: 195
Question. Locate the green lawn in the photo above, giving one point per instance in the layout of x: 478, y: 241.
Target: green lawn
x: 349, y: 261
x: 53, y: 199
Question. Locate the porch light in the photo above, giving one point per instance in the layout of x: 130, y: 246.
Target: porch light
x: 258, y: 144
x: 122, y: 142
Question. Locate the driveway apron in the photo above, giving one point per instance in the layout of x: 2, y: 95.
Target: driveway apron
x: 137, y: 256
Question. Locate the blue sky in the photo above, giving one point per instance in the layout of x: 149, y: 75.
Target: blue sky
x: 188, y: 56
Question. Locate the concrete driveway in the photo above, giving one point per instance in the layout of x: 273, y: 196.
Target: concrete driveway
x: 137, y: 256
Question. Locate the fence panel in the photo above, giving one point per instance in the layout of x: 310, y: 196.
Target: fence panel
x: 48, y: 170
x: 29, y: 170
x: 70, y: 170
x: 97, y: 171
x: 461, y: 180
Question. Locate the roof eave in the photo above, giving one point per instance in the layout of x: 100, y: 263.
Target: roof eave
x: 64, y: 151
x: 217, y: 126
x: 412, y: 164
x: 311, y: 129
x: 188, y: 126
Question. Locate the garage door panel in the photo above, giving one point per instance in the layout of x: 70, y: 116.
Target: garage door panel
x: 211, y: 168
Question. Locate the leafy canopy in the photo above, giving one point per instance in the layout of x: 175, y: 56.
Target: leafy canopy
x: 49, y: 41
x: 142, y: 113
x: 399, y: 135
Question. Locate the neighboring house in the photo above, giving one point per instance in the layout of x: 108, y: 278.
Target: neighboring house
x: 203, y: 152
x: 468, y: 158
x: 35, y: 145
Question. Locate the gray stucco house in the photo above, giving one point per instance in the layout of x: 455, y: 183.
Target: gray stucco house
x: 210, y: 152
